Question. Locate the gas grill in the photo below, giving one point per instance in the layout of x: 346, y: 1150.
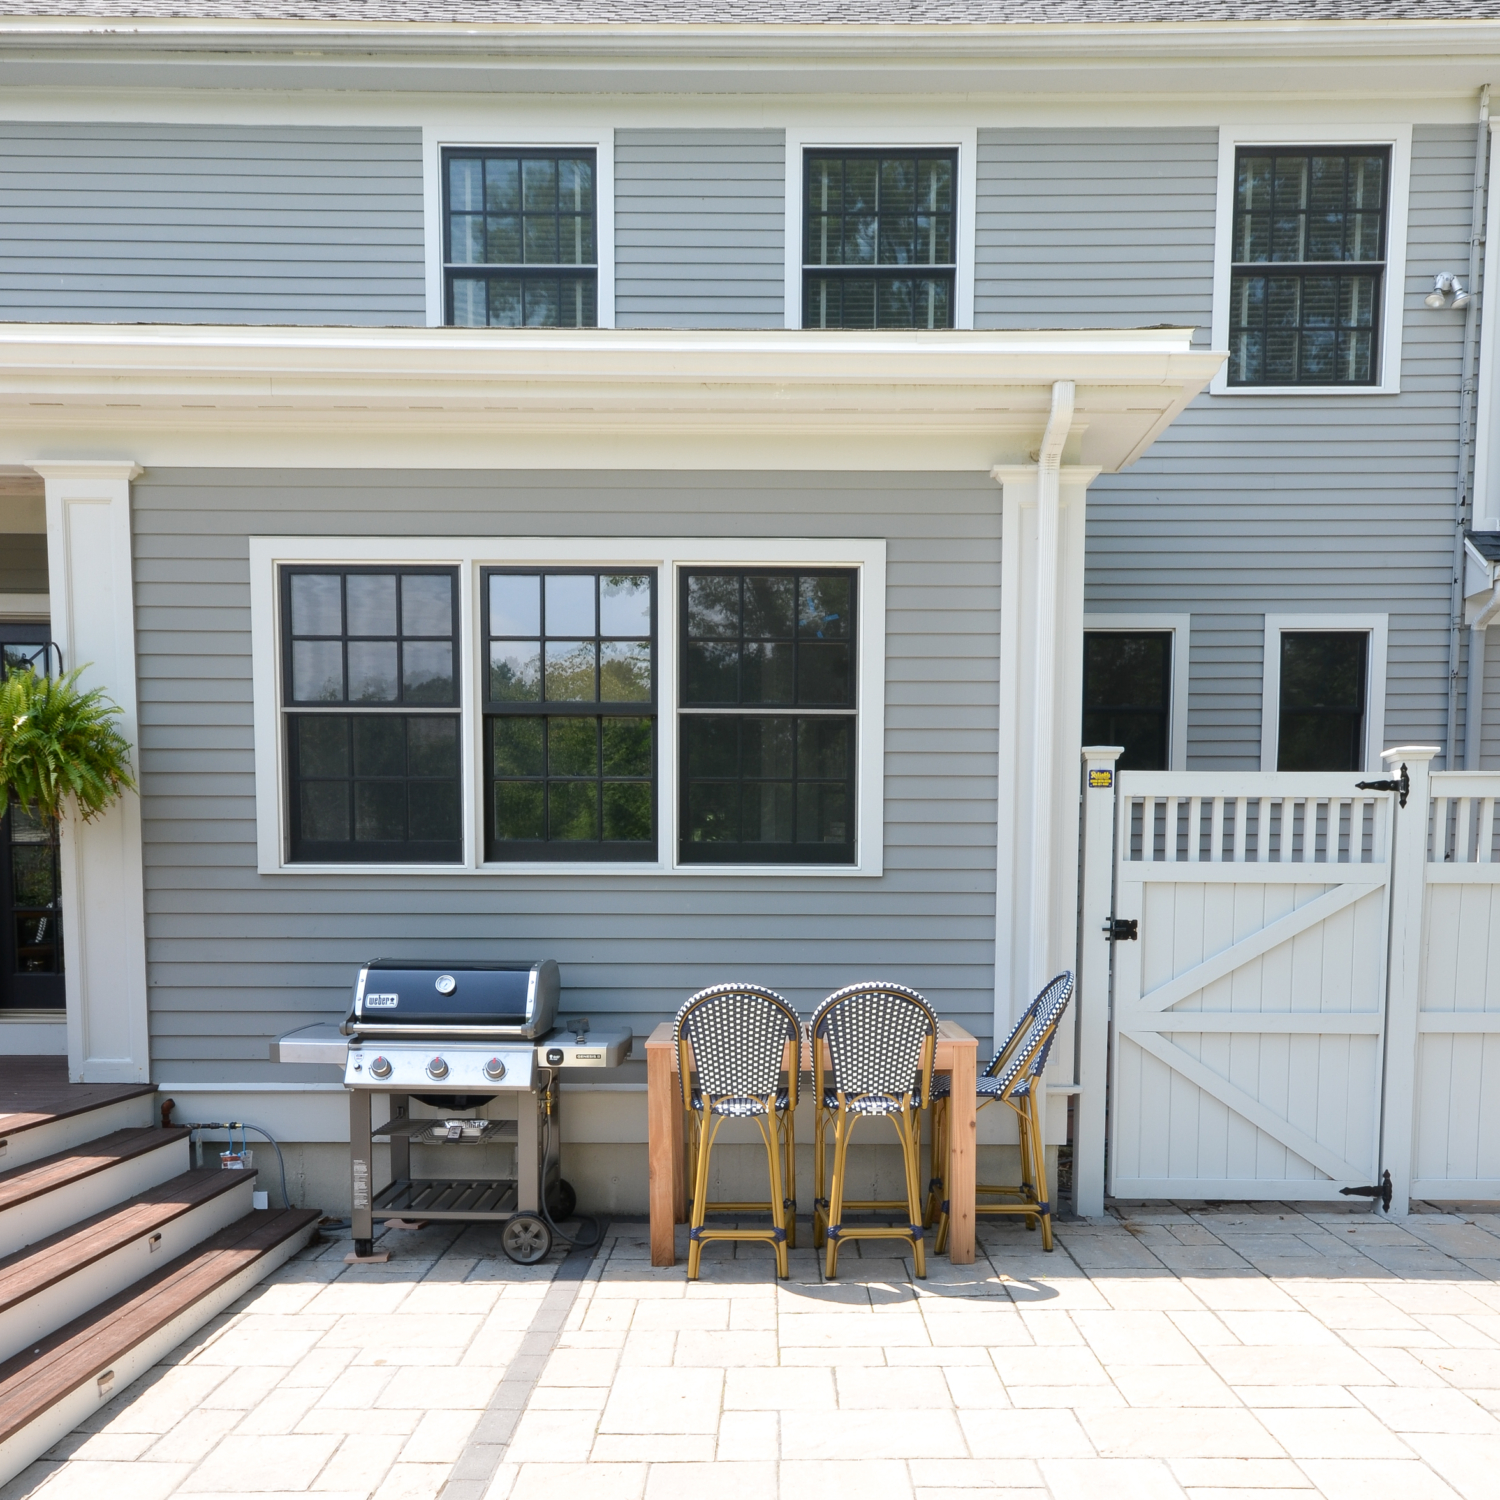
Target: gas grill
x: 458, y: 1038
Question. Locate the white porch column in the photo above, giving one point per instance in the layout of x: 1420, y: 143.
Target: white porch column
x: 1041, y: 708
x: 104, y: 923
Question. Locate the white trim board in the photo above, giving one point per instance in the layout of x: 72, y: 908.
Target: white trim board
x: 1181, y: 627
x: 801, y: 136
x: 666, y: 555
x: 1398, y: 138
x: 529, y: 131
x: 1377, y: 627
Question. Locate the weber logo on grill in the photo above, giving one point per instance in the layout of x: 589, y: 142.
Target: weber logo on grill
x: 382, y: 1002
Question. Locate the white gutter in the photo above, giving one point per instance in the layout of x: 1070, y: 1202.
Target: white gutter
x: 1049, y: 462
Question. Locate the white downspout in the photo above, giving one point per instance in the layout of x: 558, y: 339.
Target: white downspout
x: 1048, y: 499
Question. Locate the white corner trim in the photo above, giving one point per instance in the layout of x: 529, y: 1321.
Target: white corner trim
x: 666, y: 555
x: 1377, y: 627
x: 1398, y: 138
x: 800, y: 137
x: 1181, y: 627
x: 531, y: 133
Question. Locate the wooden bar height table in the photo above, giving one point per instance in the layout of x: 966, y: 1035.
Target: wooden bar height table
x: 667, y: 1150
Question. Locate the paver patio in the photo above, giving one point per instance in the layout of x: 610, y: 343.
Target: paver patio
x: 1224, y: 1353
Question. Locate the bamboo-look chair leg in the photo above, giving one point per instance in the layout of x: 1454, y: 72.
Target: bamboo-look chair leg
x: 937, y: 1155
x: 820, y: 1176
x: 771, y: 1135
x: 842, y: 1129
x: 911, y: 1143
x: 789, y: 1139
x: 1033, y: 1161
x: 940, y: 1171
x: 707, y: 1130
x: 1039, y: 1153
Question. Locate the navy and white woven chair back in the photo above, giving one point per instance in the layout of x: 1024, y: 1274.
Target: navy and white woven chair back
x: 1030, y: 1058
x: 739, y: 1035
x: 875, y: 1034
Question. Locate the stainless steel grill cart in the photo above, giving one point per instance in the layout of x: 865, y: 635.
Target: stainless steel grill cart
x: 456, y: 1037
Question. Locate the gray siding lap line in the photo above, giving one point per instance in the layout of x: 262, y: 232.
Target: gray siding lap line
x: 700, y: 228
x: 211, y: 224
x: 236, y: 958
x: 1291, y: 504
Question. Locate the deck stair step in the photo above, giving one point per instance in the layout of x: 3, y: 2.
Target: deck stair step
x: 57, y: 1279
x: 41, y: 1113
x: 46, y: 1195
x: 63, y: 1377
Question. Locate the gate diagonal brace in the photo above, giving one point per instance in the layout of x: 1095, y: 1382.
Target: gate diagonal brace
x: 1383, y: 1192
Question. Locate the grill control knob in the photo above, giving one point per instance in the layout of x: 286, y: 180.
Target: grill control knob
x: 380, y: 1068
x: 494, y: 1068
x: 445, y: 984
x: 437, y: 1068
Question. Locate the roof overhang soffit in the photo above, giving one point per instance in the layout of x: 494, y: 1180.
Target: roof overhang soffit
x: 1130, y: 384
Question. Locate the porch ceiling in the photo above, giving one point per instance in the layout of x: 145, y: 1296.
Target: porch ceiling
x: 984, y: 395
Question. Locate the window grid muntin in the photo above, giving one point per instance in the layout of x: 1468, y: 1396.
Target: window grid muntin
x: 1341, y: 350
x: 304, y: 850
x: 928, y: 286
x: 794, y: 850
x: 575, y: 282
x: 545, y: 710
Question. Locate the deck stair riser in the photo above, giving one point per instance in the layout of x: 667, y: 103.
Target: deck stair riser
x: 25, y: 1139
x: 44, y: 1398
x: 58, y: 1280
x: 47, y: 1195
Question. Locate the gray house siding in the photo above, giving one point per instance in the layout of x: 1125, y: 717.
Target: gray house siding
x: 235, y: 957
x: 210, y: 224
x: 23, y: 562
x: 700, y: 228
x: 1247, y: 504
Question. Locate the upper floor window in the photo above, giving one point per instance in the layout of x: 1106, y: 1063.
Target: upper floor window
x: 1309, y: 252
x: 519, y: 239
x: 879, y: 245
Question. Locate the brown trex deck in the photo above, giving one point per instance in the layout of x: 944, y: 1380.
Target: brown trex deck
x: 35, y: 1091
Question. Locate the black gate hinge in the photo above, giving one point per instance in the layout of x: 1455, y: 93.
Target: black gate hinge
x: 1383, y: 1192
x: 1122, y: 930
x: 1403, y: 786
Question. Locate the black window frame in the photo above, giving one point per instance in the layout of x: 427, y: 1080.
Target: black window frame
x: 1340, y: 271
x: 295, y: 712
x: 522, y: 271
x: 1111, y: 735
x: 548, y: 850
x: 1360, y: 710
x: 742, y: 852
x: 840, y: 273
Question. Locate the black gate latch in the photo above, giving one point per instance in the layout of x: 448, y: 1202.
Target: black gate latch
x: 1122, y: 930
x: 1403, y: 785
x: 1383, y: 1192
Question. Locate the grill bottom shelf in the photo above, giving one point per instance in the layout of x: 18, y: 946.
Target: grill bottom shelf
x: 445, y: 1198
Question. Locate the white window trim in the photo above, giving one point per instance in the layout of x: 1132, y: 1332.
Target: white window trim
x: 1181, y: 627
x: 1377, y: 628
x: 530, y: 135
x: 800, y: 139
x: 668, y: 556
x: 1398, y: 138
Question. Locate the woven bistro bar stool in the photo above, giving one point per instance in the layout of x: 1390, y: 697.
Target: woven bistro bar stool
x: 879, y: 1041
x: 731, y: 1044
x: 1013, y: 1077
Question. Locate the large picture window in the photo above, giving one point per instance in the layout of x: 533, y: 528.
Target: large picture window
x: 570, y: 714
x: 369, y: 665
x: 520, y: 239
x: 767, y: 717
x: 879, y: 242
x: 1308, y: 265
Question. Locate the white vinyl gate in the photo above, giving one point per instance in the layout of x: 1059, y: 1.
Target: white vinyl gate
x: 1312, y: 993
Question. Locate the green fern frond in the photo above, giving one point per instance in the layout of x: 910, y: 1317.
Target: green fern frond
x: 57, y: 742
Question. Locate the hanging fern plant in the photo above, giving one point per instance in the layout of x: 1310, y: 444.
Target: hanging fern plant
x: 58, y: 743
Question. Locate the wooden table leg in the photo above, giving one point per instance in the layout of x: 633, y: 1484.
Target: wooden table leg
x: 961, y: 1157
x: 664, y: 1153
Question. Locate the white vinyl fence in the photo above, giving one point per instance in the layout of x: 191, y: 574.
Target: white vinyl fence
x: 1303, y: 986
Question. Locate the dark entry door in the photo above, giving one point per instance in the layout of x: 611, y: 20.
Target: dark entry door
x: 31, y: 952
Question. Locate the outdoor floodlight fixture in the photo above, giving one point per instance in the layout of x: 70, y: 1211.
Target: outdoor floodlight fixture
x: 1443, y: 283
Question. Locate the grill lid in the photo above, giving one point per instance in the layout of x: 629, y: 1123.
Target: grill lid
x: 419, y: 995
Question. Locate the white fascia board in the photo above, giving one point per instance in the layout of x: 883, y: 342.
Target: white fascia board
x: 667, y: 556
x: 1394, y: 134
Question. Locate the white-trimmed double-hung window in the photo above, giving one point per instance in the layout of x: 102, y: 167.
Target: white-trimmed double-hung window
x: 608, y: 705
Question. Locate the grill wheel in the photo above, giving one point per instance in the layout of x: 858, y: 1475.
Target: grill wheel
x: 526, y: 1239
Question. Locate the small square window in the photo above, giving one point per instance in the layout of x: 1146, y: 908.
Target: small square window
x: 1321, y: 721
